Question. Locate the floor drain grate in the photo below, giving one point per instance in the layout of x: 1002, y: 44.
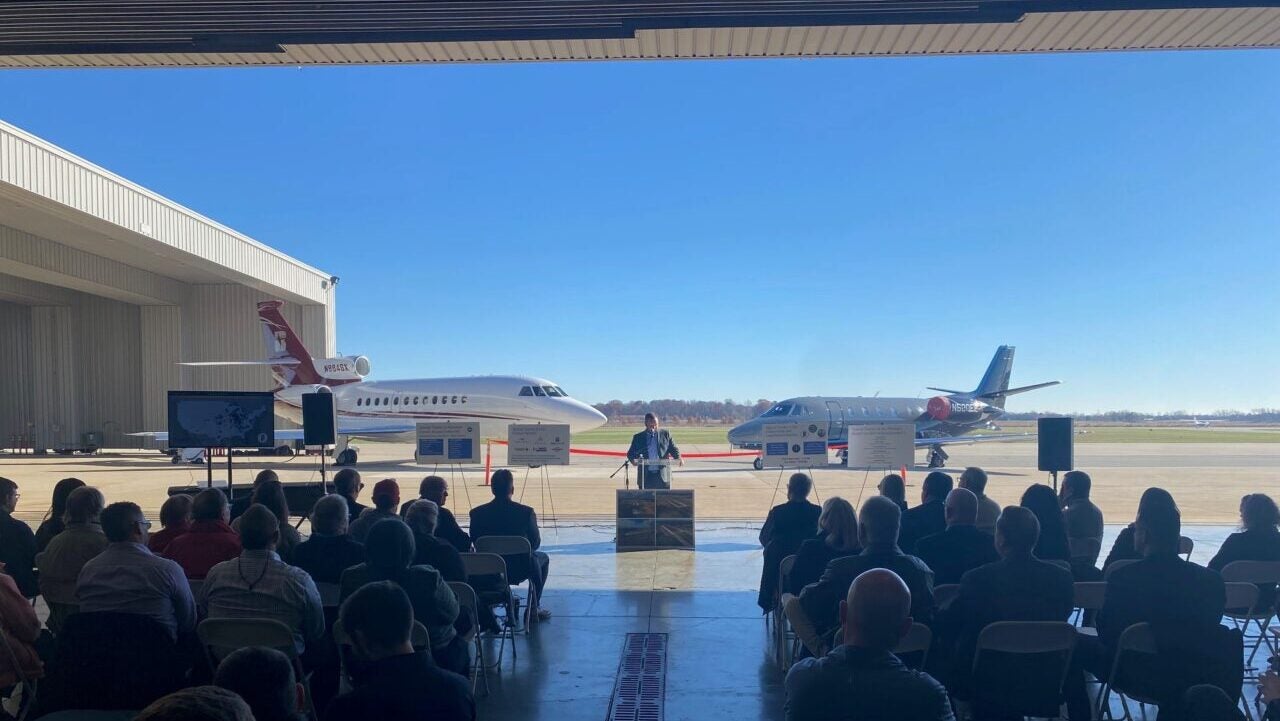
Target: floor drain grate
x: 640, y: 692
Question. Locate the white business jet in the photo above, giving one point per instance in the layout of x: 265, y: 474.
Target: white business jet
x: 390, y: 410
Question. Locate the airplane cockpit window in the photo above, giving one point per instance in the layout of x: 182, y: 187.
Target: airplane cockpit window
x: 552, y: 391
x: 526, y: 391
x: 562, y: 393
x: 537, y: 391
x: 780, y: 409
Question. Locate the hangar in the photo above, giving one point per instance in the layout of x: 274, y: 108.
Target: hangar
x: 105, y: 287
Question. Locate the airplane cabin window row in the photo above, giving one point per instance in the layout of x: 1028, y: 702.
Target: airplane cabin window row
x: 411, y: 400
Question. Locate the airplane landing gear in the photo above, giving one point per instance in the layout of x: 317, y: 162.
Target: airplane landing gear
x: 937, y: 457
x: 347, y: 457
x: 758, y: 463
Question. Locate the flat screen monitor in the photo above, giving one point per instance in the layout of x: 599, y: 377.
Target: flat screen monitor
x: 219, y: 419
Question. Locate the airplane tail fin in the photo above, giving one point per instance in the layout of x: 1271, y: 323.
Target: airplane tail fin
x: 995, y: 382
x: 290, y: 362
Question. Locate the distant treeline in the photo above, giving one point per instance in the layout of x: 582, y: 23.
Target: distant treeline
x: 731, y: 411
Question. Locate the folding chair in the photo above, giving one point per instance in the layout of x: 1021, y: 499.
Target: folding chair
x: 803, y: 626
x: 1033, y: 685
x: 944, y: 594
x: 470, y: 604
x: 780, y: 631
x: 1089, y: 596
x: 1256, y: 573
x: 1116, y: 566
x: 1136, y: 640
x: 221, y: 636
x: 1185, y: 546
x: 516, y: 547
x: 26, y: 687
x: 917, y: 641
x: 419, y: 637
x: 330, y: 594
x: 491, y: 565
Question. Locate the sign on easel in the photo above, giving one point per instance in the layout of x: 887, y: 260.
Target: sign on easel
x: 881, y: 445
x: 538, y: 444
x: 448, y: 443
x: 794, y: 445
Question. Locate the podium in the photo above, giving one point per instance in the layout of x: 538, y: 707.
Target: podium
x: 650, y: 519
x: 654, y: 474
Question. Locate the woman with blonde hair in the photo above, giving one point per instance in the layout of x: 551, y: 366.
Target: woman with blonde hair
x: 837, y: 538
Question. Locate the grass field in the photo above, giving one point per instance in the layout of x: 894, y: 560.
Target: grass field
x: 711, y: 435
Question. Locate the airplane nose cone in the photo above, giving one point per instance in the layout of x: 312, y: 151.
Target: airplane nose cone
x: 585, y: 418
x: 745, y: 433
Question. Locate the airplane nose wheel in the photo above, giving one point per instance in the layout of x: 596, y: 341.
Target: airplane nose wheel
x: 758, y: 464
x: 937, y: 457
x: 346, y: 458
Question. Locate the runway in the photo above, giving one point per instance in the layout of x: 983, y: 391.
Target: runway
x: 1207, y: 479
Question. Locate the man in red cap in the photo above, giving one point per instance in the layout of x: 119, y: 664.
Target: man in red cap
x: 386, y: 499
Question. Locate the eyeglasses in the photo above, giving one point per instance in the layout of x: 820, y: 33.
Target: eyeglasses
x: 144, y: 523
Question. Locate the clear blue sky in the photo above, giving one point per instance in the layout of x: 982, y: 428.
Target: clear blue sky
x: 747, y: 229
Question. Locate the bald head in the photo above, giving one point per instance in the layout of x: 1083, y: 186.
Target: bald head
x: 962, y: 508
x: 877, y: 612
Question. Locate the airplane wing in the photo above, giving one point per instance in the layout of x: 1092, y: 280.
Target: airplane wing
x: 967, y: 440
x: 295, y: 434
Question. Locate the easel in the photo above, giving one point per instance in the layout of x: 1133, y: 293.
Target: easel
x: 782, y: 470
x: 544, y: 483
x: 460, y: 473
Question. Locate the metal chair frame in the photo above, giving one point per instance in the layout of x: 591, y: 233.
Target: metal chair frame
x: 492, y: 564
x: 516, y: 546
x: 1020, y: 637
x: 231, y: 634
x: 470, y: 602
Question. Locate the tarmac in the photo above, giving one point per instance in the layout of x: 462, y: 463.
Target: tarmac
x: 1206, y: 479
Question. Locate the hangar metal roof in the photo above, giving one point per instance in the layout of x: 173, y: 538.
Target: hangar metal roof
x: 67, y: 222
x: 101, y: 33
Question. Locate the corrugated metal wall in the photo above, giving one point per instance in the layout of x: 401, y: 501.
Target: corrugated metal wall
x: 15, y: 381
x: 163, y: 341
x: 55, y: 381
x: 109, y: 345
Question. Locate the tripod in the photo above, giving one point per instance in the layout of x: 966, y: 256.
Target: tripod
x: 625, y: 468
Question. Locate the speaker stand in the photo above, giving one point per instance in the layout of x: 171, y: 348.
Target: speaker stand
x: 1054, y: 476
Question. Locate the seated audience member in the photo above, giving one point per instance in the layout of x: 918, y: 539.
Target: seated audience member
x: 175, y: 520
x: 210, y: 540
x: 837, y: 538
x: 329, y: 551
x: 60, y: 563
x: 1124, y: 548
x: 861, y: 678
x: 398, y: 682
x: 21, y: 630
x: 1183, y: 603
x: 265, y: 679
x: 257, y: 584
x: 1082, y: 518
x: 17, y: 542
x: 422, y: 518
x: 346, y: 483
x: 389, y: 554
x: 1018, y: 587
x: 1259, y: 540
x: 55, y: 519
x: 270, y: 493
x: 241, y: 502
x: 128, y: 578
x: 962, y: 547
x: 930, y: 516
x: 1042, y: 501
x: 386, y: 496
x: 504, y: 517
x: 436, y: 490
x: 895, y: 489
x: 878, y: 534
x: 974, y: 479
x: 787, y: 526
x: 198, y: 703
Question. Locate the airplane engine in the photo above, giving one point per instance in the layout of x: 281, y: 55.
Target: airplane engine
x: 955, y: 410
x: 348, y: 368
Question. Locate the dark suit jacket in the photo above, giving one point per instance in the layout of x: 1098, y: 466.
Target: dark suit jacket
x: 406, y: 687
x: 821, y: 601
x: 18, y: 552
x: 326, y: 557
x: 447, y: 528
x: 505, y: 517
x: 1018, y: 588
x: 811, y: 561
x: 956, y: 551
x: 1123, y: 549
x: 853, y: 684
x: 1176, y: 597
x: 925, y: 519
x: 640, y: 445
x: 431, y: 551
x: 1261, y: 544
x: 794, y: 522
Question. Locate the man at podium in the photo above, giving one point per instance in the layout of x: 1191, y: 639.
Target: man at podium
x: 653, y: 444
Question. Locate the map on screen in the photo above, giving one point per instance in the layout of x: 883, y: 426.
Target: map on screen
x: 216, y: 419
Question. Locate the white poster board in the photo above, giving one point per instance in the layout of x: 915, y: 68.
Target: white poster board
x: 881, y: 445
x: 794, y: 444
x: 538, y: 444
x: 448, y: 443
